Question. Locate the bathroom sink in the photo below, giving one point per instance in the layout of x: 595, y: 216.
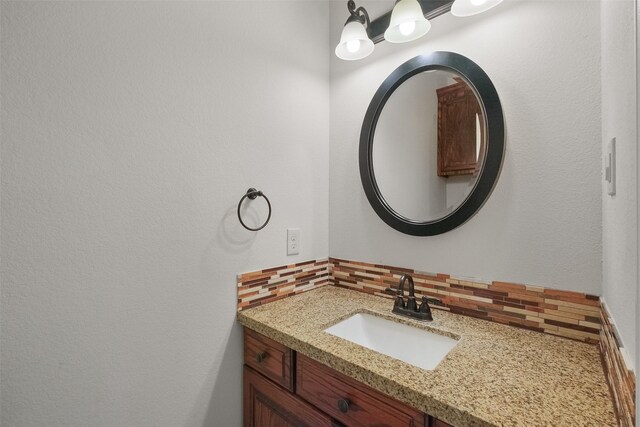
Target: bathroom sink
x: 411, y: 345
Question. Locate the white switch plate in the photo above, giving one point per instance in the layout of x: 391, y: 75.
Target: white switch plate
x: 610, y: 167
x: 293, y: 241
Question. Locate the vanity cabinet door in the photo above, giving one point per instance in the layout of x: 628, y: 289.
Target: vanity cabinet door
x: 349, y: 401
x: 268, y: 405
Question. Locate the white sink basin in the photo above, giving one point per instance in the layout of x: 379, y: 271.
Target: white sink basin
x: 411, y: 345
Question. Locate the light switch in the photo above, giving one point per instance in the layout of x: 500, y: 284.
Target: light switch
x: 610, y: 167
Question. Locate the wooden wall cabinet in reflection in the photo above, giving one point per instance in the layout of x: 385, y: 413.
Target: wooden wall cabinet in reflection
x: 460, y: 130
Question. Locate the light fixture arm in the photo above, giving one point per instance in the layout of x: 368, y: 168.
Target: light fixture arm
x: 360, y: 14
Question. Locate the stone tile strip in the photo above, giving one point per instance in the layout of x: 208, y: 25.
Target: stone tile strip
x: 622, y: 381
x: 271, y: 284
x: 564, y: 313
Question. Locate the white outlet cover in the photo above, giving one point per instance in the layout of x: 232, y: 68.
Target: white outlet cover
x: 293, y: 241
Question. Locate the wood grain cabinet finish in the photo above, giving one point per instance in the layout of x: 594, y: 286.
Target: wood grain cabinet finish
x: 268, y: 405
x: 349, y: 401
x: 269, y: 357
x: 457, y: 133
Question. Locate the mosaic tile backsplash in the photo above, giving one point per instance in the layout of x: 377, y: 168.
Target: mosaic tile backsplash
x: 622, y: 381
x: 564, y: 313
x: 272, y: 284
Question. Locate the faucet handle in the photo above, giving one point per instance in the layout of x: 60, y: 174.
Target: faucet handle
x: 399, y: 302
x: 434, y: 301
x: 424, y: 307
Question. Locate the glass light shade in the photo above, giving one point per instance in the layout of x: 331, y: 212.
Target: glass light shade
x: 407, y: 22
x: 464, y: 8
x: 354, y: 42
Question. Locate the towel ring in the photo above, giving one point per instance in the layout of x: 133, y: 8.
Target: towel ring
x: 252, y: 193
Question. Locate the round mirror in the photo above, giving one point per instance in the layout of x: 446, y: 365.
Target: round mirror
x: 432, y: 144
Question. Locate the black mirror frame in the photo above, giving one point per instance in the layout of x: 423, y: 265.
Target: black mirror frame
x: 490, y: 103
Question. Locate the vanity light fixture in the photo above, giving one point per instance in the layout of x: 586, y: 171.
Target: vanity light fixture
x: 354, y: 41
x: 407, y: 22
x: 463, y: 8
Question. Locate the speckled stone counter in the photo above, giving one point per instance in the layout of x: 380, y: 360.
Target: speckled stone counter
x: 495, y: 376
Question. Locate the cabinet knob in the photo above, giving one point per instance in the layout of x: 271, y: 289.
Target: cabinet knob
x: 261, y: 356
x: 343, y: 405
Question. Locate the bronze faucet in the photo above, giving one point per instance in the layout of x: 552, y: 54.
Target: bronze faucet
x: 411, y: 309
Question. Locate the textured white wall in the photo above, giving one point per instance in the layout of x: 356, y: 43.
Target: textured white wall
x: 542, y: 224
x: 130, y: 130
x: 619, y: 212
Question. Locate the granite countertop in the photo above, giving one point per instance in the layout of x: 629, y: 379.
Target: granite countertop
x: 495, y: 376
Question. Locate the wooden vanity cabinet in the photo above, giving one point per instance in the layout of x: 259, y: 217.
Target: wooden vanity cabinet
x: 282, y: 389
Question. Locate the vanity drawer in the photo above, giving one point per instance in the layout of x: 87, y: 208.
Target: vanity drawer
x: 270, y: 358
x: 348, y: 401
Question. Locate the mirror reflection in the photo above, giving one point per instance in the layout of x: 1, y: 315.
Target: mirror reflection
x: 429, y: 145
